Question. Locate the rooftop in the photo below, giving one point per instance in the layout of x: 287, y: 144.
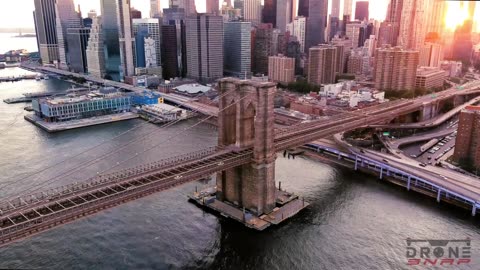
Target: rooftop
x: 192, y: 88
x: 472, y: 108
x: 70, y: 99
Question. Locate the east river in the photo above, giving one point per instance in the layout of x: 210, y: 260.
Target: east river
x: 353, y: 222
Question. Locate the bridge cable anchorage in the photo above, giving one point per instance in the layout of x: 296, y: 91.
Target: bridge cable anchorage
x: 88, y: 163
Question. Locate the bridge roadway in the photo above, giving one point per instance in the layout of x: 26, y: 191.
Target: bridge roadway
x: 34, y: 213
x: 434, y: 122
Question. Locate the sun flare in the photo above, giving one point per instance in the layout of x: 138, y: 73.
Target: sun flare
x: 459, y: 11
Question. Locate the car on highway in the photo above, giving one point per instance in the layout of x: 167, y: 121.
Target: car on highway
x: 423, y: 164
x: 441, y: 144
x: 384, y: 160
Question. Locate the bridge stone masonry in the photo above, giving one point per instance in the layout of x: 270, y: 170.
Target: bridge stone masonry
x: 246, y: 121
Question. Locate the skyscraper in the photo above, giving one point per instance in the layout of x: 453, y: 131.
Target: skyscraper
x: 152, y: 26
x: 170, y: 59
x: 187, y: 5
x: 45, y: 27
x: 467, y: 143
x: 438, y: 10
x: 316, y: 22
x: 125, y: 38
x: 414, y: 23
x: 283, y: 14
x: 252, y: 11
x: 281, y: 69
x: 299, y: 27
x: 431, y: 55
x: 174, y: 17
x: 95, y: 50
x: 77, y: 39
x: 335, y: 9
x: 155, y: 9
x: 135, y: 13
x: 269, y: 12
x: 212, y: 6
x: 333, y: 24
x: 140, y: 32
x: 462, y: 43
x: 347, y: 8
x: 389, y: 29
x: 110, y: 37
x: 322, y: 64
x: 293, y: 51
x: 237, y: 49
x: 150, y: 51
x: 361, y: 10
x: 66, y: 17
x: 395, y: 69
x: 353, y: 30
x: 204, y: 34
x: 340, y: 58
x: 303, y: 8
x: 262, y: 47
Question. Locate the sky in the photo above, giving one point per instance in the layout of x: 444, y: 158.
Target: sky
x: 22, y: 16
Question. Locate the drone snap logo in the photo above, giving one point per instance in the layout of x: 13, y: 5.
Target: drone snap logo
x: 438, y: 252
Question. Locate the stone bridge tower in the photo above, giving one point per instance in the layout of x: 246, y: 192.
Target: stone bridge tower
x: 246, y: 119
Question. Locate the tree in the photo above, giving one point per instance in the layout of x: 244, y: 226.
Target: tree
x: 477, y: 66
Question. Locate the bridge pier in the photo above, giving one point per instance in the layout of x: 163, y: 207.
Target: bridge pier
x: 474, y: 209
x: 381, y: 172
x: 246, y: 121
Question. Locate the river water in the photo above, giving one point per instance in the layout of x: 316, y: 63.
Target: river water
x: 354, y: 221
x: 8, y: 41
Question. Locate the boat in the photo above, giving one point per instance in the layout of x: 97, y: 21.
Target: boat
x: 46, y: 77
x: 38, y: 77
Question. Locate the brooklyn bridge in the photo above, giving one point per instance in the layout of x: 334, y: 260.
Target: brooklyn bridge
x: 243, y: 161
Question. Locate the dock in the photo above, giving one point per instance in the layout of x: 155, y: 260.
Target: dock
x: 73, y: 124
x: 18, y: 78
x: 288, y: 204
x: 28, y: 97
x: 163, y: 113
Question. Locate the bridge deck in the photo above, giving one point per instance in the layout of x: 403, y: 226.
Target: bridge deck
x: 55, y: 211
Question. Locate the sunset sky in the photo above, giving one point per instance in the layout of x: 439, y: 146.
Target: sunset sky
x: 22, y: 17
x: 18, y: 13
